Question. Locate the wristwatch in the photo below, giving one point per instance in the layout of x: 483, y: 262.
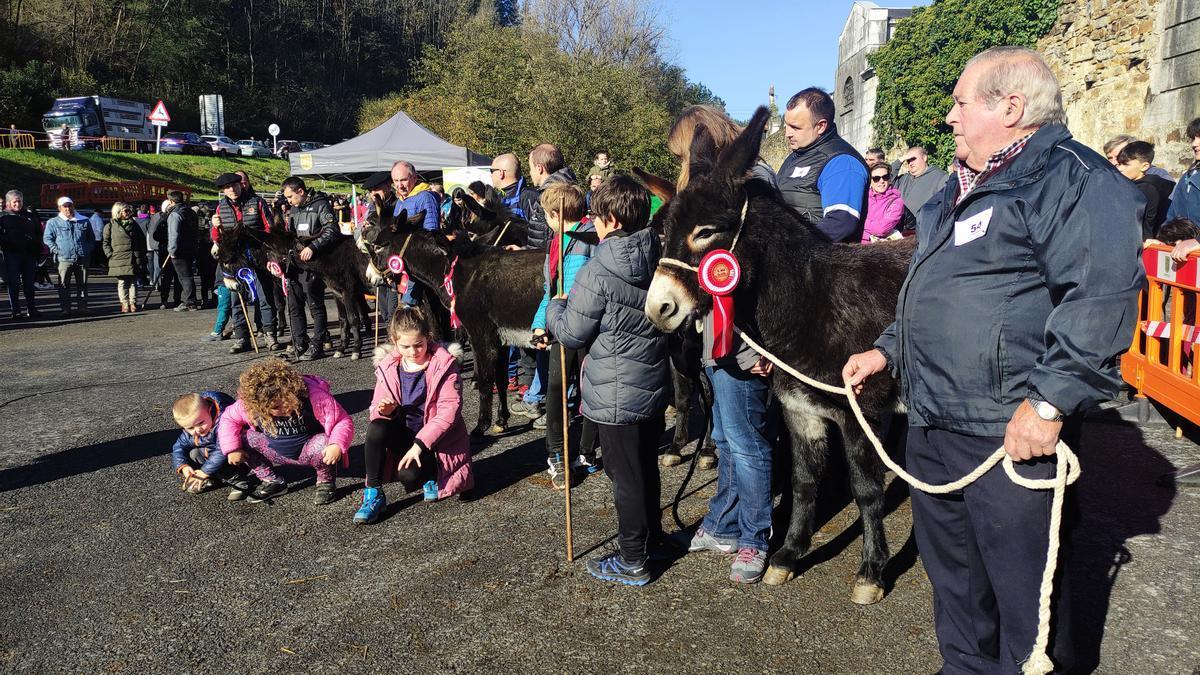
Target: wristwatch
x: 1045, y: 410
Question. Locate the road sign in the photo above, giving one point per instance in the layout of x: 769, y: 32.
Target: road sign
x: 160, y: 114
x: 274, y: 131
x: 159, y: 118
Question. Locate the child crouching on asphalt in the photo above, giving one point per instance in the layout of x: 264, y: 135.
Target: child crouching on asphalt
x: 416, y: 418
x: 283, y: 418
x: 198, y: 460
x: 625, y: 377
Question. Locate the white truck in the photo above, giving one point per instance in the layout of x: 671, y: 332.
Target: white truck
x: 90, y: 118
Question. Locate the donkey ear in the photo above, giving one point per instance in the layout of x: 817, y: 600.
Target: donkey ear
x: 702, y: 155
x: 586, y: 237
x: 660, y: 187
x: 742, y: 154
x: 393, y: 222
x: 472, y: 205
x: 418, y: 220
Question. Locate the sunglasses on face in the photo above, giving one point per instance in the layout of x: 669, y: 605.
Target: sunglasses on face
x: 876, y: 179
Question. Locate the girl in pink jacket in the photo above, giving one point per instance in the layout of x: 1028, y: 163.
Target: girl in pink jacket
x: 417, y: 430
x: 284, y: 418
x: 885, y: 208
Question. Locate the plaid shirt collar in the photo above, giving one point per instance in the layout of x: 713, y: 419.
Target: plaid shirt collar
x: 968, y: 178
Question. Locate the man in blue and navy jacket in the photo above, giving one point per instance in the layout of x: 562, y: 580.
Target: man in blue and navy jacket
x: 70, y: 240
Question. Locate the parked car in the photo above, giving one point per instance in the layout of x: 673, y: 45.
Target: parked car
x: 286, y: 148
x: 309, y: 146
x: 185, y: 142
x: 222, y: 145
x: 253, y: 149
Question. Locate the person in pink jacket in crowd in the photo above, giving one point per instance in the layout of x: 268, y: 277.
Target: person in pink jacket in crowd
x: 885, y: 208
x: 283, y: 418
x: 417, y: 430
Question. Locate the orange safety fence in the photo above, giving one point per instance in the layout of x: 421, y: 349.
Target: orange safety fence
x: 119, y: 144
x: 1160, y: 364
x: 17, y: 141
x: 109, y: 193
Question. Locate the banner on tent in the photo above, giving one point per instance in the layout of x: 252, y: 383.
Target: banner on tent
x: 463, y: 176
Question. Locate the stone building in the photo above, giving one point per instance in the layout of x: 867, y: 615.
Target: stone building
x: 1129, y: 67
x: 868, y: 28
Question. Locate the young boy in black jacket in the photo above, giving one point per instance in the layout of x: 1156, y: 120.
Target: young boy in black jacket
x: 626, y: 373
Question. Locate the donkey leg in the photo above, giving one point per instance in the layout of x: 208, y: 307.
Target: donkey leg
x: 673, y: 455
x: 484, y: 355
x: 706, y: 447
x: 866, y: 484
x: 500, y: 381
x: 810, y: 448
x: 340, y: 305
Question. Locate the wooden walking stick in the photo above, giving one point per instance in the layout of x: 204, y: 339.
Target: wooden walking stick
x: 562, y: 365
x: 249, y: 319
x: 150, y: 290
x: 378, y: 291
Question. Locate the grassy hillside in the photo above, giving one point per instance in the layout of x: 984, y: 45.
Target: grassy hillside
x: 27, y: 170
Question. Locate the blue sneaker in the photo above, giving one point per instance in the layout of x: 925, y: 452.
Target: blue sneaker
x: 374, y: 501
x: 431, y: 491
x: 613, y: 567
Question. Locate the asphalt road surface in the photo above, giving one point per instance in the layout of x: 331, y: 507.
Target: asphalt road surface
x: 106, y: 566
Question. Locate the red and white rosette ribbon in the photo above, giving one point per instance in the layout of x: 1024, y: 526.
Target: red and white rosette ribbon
x: 448, y: 285
x: 718, y: 275
x: 274, y: 268
x: 395, y: 265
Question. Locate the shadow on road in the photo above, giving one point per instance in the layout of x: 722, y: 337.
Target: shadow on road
x: 89, y: 458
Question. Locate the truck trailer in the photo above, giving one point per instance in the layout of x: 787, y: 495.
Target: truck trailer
x: 90, y: 118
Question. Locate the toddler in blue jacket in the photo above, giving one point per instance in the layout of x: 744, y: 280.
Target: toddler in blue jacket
x: 198, y: 460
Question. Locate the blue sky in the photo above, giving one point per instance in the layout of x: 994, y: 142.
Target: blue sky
x: 740, y: 48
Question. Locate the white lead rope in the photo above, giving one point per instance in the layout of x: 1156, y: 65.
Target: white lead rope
x: 1066, y: 472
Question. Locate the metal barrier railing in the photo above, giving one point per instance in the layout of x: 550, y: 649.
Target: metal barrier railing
x: 118, y: 144
x: 1160, y: 364
x: 18, y: 141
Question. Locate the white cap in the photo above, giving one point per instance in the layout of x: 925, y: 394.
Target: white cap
x: 65, y: 200
x: 166, y: 204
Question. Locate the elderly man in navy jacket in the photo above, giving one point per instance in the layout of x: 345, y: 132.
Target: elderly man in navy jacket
x: 1022, y: 292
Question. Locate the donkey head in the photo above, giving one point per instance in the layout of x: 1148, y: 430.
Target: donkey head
x: 704, y: 216
x: 384, y: 236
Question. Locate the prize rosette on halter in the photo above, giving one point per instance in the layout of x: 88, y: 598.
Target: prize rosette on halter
x: 274, y: 268
x: 395, y: 265
x: 718, y: 275
x: 246, y: 275
x: 448, y: 286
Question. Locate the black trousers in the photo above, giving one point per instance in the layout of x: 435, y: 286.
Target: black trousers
x: 207, y: 268
x: 984, y: 549
x: 168, y: 282
x: 555, y: 391
x: 183, y: 272
x: 392, y: 438
x: 306, y: 289
x: 631, y: 462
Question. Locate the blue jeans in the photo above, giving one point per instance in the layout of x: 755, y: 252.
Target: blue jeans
x: 223, y: 308
x: 537, y: 387
x: 514, y: 358
x: 741, y: 508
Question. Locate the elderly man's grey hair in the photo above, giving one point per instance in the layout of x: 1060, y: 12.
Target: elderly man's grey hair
x: 14, y: 194
x: 404, y: 163
x: 1013, y: 70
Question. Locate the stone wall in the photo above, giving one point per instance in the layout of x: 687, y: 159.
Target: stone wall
x: 1129, y: 66
x: 867, y: 28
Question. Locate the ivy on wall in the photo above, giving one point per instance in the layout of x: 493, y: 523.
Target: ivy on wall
x: 917, y: 69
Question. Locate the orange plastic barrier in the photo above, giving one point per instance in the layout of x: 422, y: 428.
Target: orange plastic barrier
x: 1161, y: 362
x: 107, y: 194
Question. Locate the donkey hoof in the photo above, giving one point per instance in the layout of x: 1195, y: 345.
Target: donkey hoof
x: 670, y: 458
x: 355, y: 356
x: 497, y: 429
x: 707, y: 462
x: 866, y: 593
x: 778, y: 576
x: 338, y: 354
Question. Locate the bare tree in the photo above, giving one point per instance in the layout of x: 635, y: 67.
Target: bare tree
x: 626, y: 32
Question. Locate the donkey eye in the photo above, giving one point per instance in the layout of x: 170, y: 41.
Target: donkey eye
x: 704, y: 233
